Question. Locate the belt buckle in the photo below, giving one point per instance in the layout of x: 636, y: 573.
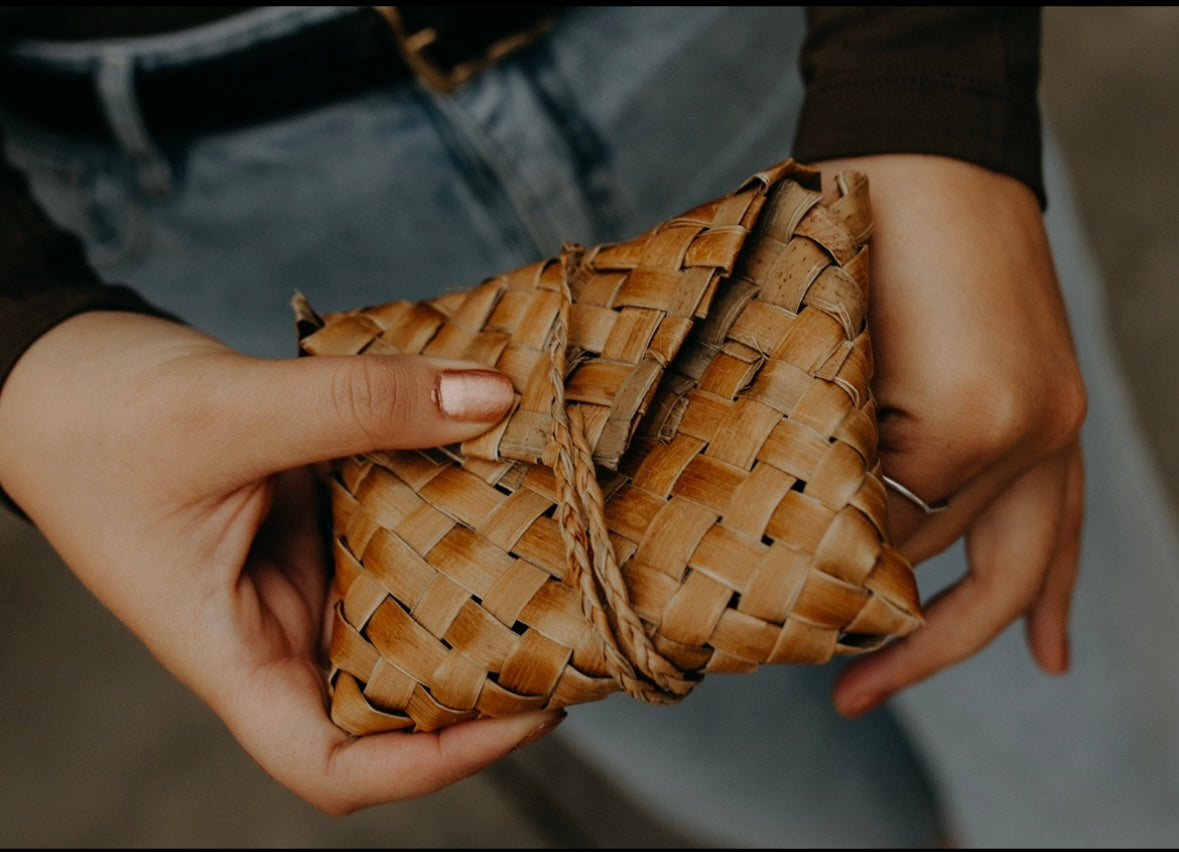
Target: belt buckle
x: 414, y: 48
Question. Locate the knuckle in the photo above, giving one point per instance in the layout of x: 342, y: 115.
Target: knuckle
x: 1064, y: 413
x: 994, y: 423
x: 1002, y: 423
x: 971, y: 419
x: 980, y: 424
x: 366, y: 393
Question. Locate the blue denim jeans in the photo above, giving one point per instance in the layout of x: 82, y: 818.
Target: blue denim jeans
x: 620, y: 118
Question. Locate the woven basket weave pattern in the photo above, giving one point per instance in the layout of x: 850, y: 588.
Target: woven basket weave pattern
x: 688, y: 483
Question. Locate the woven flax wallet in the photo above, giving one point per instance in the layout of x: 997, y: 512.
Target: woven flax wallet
x: 688, y: 482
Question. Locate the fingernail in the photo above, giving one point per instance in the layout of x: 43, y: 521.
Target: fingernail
x: 473, y: 396
x: 542, y: 730
x: 863, y: 704
x: 1062, y: 658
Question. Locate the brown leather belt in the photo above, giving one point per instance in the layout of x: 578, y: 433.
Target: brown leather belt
x: 441, y: 46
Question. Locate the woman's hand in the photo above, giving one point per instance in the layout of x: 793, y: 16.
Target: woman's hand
x: 981, y: 402
x: 174, y: 476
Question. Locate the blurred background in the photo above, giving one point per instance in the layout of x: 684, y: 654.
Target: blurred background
x: 100, y: 747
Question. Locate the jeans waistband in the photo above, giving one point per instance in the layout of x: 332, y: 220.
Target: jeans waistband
x: 254, y: 66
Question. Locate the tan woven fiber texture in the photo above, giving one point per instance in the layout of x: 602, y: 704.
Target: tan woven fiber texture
x: 688, y: 483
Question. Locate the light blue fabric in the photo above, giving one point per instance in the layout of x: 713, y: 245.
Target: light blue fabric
x: 625, y: 116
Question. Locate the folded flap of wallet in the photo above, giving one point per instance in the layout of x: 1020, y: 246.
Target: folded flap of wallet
x: 628, y: 307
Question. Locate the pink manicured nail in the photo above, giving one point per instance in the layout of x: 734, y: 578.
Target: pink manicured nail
x: 862, y: 704
x: 1065, y: 656
x: 541, y: 731
x: 473, y: 396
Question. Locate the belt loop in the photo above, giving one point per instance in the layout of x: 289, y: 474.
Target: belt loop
x: 115, y: 86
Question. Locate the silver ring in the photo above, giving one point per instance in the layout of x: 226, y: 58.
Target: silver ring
x: 917, y: 501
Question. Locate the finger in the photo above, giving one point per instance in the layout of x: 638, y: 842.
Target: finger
x: 279, y: 718
x: 292, y: 535
x: 366, y: 770
x: 1009, y: 548
x: 964, y: 480
x: 920, y: 535
x: 307, y: 410
x: 1047, y: 622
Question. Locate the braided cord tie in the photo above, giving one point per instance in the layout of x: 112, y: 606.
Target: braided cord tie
x: 630, y: 656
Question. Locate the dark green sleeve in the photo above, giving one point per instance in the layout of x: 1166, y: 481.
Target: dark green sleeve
x: 44, y: 275
x: 959, y: 81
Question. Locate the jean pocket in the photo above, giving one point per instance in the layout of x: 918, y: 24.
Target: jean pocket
x: 86, y: 189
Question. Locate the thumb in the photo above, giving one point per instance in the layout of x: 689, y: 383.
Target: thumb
x: 312, y: 409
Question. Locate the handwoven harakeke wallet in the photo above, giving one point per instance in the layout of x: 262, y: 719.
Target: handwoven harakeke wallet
x: 687, y: 484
